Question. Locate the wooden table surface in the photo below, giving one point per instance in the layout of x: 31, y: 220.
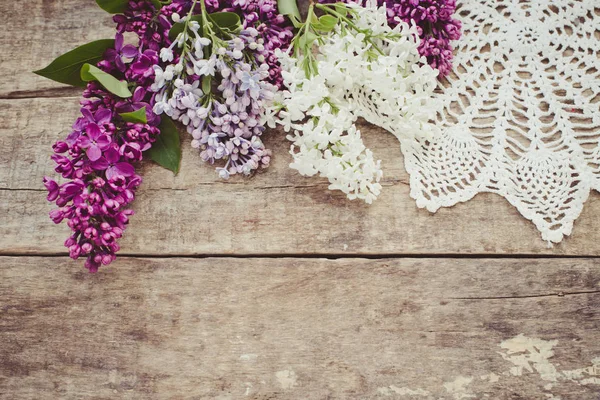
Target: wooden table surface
x: 274, y: 287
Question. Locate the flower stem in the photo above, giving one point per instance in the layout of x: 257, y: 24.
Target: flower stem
x: 186, y: 48
x: 206, y: 30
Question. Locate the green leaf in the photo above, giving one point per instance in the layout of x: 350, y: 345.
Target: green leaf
x: 177, y: 28
x: 137, y: 116
x: 113, y: 6
x: 226, y: 20
x: 306, y: 40
x: 328, y: 22
x: 119, y: 88
x: 157, y: 4
x: 295, y: 21
x: 65, y: 69
x: 166, y: 151
x: 288, y: 7
x: 341, y: 8
x: 314, y: 19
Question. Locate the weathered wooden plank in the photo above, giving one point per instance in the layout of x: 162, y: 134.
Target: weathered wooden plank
x: 296, y: 328
x: 36, y: 32
x: 238, y: 219
x: 277, y: 211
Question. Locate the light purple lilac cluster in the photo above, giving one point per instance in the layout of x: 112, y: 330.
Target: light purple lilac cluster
x: 234, y: 127
x: 435, y: 23
x: 225, y: 124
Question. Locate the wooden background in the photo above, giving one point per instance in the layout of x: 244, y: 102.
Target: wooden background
x: 274, y: 287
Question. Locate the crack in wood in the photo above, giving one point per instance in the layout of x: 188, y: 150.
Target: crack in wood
x: 531, y: 296
x: 240, y: 184
x: 5, y: 189
x: 60, y: 92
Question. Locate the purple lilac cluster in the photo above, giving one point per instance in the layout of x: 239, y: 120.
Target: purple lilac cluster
x: 436, y: 25
x: 97, y: 159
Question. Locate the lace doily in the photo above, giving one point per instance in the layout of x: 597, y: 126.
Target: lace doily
x: 521, y: 113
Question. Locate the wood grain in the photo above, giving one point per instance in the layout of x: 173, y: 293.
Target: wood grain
x: 36, y: 32
x: 275, y: 212
x: 232, y: 328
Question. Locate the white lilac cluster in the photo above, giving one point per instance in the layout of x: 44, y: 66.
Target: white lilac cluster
x: 218, y: 90
x: 367, y: 70
x: 324, y: 139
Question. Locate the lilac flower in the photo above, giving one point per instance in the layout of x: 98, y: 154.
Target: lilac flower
x: 93, y: 201
x: 131, y: 151
x: 95, y: 141
x: 101, y: 117
x: 112, y: 165
x: 271, y: 26
x: 117, y: 54
x: 52, y: 188
x: 143, y: 65
x: 96, y: 157
x: 70, y: 190
x: 139, y: 18
x: 251, y: 82
x: 64, y: 165
x: 225, y: 124
x: 60, y: 147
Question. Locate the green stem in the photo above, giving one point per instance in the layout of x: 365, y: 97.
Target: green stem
x: 309, y: 16
x: 305, y: 29
x: 206, y: 30
x: 186, y: 48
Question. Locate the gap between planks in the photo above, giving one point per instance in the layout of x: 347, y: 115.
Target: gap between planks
x: 324, y: 256
x: 58, y: 93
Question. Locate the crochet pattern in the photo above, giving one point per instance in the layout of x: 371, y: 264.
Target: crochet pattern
x: 521, y: 113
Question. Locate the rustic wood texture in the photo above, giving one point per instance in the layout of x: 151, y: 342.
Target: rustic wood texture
x: 447, y: 325
x: 291, y: 328
x: 36, y: 32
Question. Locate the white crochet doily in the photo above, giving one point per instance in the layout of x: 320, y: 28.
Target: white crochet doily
x: 521, y: 114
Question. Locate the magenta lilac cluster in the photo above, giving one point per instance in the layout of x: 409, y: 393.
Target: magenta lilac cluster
x: 436, y: 25
x: 97, y: 159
